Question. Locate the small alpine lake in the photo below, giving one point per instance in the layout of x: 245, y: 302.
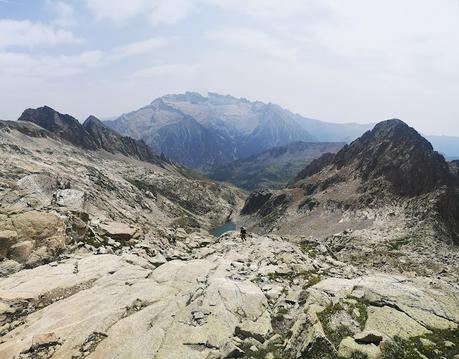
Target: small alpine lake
x: 226, y: 227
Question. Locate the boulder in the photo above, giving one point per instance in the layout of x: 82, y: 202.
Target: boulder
x: 391, y: 323
x: 158, y: 260
x: 70, y: 198
x: 349, y: 348
x: 7, y: 239
x: 259, y: 330
x: 118, y: 231
x: 35, y: 225
x: 230, y: 350
x: 21, y: 252
x: 9, y: 266
x: 44, y: 340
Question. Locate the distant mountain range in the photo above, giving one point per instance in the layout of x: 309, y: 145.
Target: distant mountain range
x: 275, y: 167
x: 206, y: 132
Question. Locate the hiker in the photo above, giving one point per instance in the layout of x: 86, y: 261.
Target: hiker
x: 59, y: 183
x: 243, y: 233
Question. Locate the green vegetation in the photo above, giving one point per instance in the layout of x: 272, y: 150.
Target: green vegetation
x: 310, y: 276
x: 260, y: 353
x: 357, y: 355
x: 413, y: 348
x: 335, y: 335
x: 396, y: 244
x: 251, y: 176
x: 357, y: 309
x: 279, y: 321
x: 308, y: 249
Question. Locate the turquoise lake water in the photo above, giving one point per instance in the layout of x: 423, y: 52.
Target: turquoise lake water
x: 227, y: 227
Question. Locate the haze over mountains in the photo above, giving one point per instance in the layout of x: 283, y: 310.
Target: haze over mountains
x: 272, y: 168
x: 205, y: 132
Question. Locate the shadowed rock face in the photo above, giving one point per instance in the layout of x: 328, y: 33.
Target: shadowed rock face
x: 454, y: 167
x: 255, y: 201
x: 64, y: 126
x: 92, y: 135
x: 390, y: 164
x: 315, y: 166
x: 392, y: 151
x: 113, y: 142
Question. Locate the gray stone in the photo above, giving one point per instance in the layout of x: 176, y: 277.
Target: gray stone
x: 118, y: 231
x: 158, y: 260
x: 70, y: 198
x: 230, y: 350
x: 348, y: 348
x: 258, y: 330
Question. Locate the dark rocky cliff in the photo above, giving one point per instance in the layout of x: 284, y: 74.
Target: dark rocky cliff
x: 390, y: 164
x: 392, y: 152
x: 92, y: 135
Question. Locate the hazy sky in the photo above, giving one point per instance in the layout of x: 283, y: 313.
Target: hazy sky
x: 335, y: 60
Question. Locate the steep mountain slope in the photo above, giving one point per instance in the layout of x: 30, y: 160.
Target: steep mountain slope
x: 204, y: 132
x: 64, y: 126
x: 454, y: 168
x: 394, y: 154
x: 275, y: 128
x: 272, y: 168
x: 389, y: 171
x: 92, y: 135
x: 192, y: 144
x: 52, y: 191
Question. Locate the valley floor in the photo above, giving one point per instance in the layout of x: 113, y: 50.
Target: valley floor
x: 194, y: 296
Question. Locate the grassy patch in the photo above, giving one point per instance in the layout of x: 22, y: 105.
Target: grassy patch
x: 281, y: 325
x: 396, y: 244
x: 336, y: 335
x: 413, y: 347
x: 261, y: 353
x: 311, y: 277
x: 357, y: 355
x: 308, y: 249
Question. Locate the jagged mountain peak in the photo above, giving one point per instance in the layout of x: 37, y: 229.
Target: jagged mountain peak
x: 46, y: 116
x: 213, y: 98
x: 93, y: 120
x: 394, y: 152
x: 62, y: 125
x: 93, y: 134
x: 391, y: 166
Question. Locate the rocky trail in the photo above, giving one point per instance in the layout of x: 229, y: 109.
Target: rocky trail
x: 193, y: 296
